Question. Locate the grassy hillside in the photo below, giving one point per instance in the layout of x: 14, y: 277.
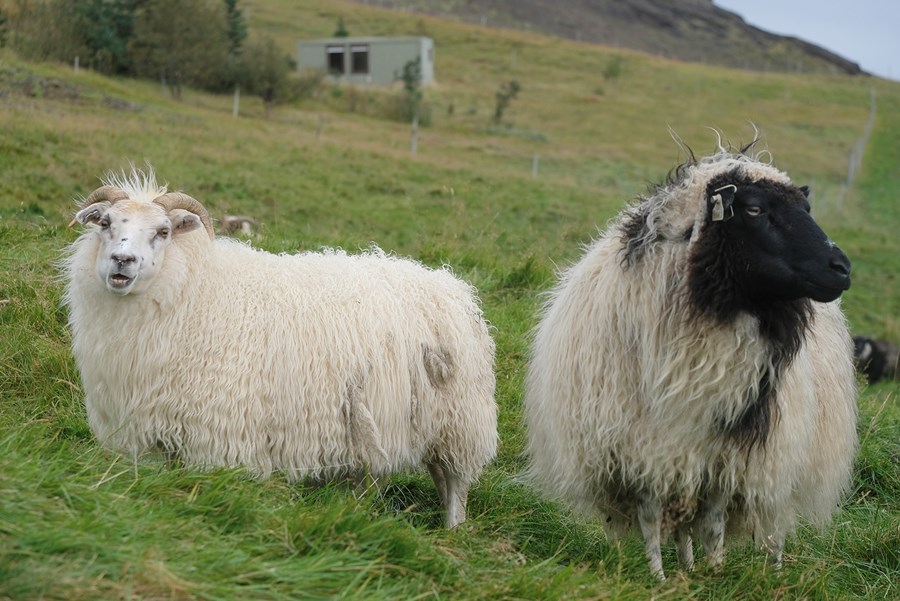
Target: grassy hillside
x: 680, y: 29
x: 77, y: 522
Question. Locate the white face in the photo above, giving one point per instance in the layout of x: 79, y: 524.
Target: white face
x: 133, y: 239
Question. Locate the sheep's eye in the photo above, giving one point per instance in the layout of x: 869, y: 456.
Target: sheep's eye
x: 104, y: 223
x: 163, y: 232
x: 753, y: 211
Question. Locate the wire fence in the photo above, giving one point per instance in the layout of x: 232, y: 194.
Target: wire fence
x: 854, y: 162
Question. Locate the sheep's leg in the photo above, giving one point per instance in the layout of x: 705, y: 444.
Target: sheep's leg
x: 650, y: 519
x: 457, y: 494
x: 684, y: 547
x: 774, y: 547
x: 440, y: 482
x: 711, y: 526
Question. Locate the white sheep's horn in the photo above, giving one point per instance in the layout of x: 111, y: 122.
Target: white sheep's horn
x: 108, y: 194
x: 178, y: 200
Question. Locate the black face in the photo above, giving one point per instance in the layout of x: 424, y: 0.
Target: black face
x: 862, y: 347
x: 783, y: 253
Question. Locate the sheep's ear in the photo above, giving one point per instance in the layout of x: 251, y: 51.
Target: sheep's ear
x: 184, y: 222
x: 720, y: 203
x: 90, y: 214
x: 805, y: 190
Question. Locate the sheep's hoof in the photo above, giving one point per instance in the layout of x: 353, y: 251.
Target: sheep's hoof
x: 716, y: 558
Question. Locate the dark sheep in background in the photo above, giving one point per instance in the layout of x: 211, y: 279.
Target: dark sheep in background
x: 876, y: 359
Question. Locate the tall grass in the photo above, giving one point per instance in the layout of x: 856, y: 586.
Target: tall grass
x: 78, y: 522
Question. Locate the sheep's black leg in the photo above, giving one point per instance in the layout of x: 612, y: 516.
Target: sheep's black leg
x: 650, y: 519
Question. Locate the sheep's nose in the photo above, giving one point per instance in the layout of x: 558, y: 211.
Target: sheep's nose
x: 840, y: 264
x: 123, y: 259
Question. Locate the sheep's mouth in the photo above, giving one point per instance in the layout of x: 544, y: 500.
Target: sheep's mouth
x: 119, y: 281
x: 825, y: 293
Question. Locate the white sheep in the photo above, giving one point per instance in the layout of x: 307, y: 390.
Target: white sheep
x: 318, y: 365
x: 240, y: 224
x: 693, y: 372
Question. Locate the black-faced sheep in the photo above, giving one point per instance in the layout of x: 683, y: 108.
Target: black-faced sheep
x: 693, y: 373
x: 876, y: 359
x: 319, y: 365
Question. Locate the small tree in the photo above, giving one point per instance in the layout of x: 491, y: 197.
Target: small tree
x: 191, y: 49
x: 265, y: 71
x: 613, y: 68
x: 3, y: 29
x: 107, y: 26
x: 507, y: 92
x: 341, y: 31
x: 236, y: 27
x: 412, y: 86
x: 236, y: 31
x: 46, y: 30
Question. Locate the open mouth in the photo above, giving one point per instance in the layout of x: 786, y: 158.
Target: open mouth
x: 119, y: 281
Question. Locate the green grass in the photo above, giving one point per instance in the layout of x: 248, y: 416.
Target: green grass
x: 77, y: 522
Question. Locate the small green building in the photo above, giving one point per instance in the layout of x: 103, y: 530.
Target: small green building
x: 367, y: 60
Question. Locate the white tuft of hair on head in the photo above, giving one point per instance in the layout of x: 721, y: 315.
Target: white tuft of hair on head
x: 139, y: 183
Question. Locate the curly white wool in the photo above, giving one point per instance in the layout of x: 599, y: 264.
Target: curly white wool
x: 318, y: 365
x: 626, y: 384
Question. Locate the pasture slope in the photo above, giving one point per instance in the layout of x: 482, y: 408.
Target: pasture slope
x: 77, y: 522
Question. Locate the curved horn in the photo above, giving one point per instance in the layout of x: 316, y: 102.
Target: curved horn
x: 107, y: 193
x: 177, y: 200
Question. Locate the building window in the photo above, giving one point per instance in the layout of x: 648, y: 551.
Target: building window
x: 359, y: 59
x: 335, y: 59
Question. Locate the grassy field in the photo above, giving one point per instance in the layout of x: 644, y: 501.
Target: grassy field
x: 78, y: 522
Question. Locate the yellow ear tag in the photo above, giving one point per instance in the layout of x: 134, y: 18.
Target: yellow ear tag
x: 718, y: 211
